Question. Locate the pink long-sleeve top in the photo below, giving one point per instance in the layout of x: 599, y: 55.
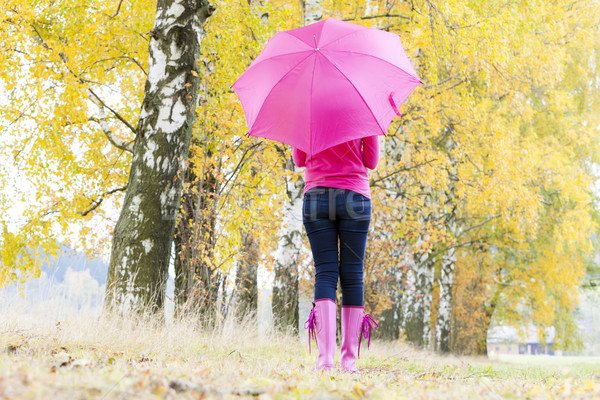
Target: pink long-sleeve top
x: 343, y: 166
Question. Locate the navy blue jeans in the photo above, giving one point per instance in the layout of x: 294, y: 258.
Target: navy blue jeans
x: 333, y: 216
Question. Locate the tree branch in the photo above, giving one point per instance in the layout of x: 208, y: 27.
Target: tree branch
x: 440, y: 82
x: 102, y: 104
x: 118, y: 9
x: 491, y: 218
x: 96, y: 203
x: 241, y: 162
x: 378, y: 16
x: 403, y: 169
x: 125, y: 57
x: 114, y: 140
x: 434, y: 254
x: 449, y: 88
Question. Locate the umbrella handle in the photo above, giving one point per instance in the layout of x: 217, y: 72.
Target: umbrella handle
x: 393, y: 103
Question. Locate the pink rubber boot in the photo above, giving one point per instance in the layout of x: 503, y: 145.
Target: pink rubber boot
x: 321, y: 327
x: 355, y: 326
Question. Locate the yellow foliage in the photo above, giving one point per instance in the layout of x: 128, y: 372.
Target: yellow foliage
x: 53, y: 54
x: 502, y: 136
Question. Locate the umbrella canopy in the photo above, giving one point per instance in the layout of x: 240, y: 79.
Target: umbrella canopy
x: 324, y: 84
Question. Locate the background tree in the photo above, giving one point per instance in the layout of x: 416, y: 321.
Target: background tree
x: 144, y: 232
x: 236, y: 177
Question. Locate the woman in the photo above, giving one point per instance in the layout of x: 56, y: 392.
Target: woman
x: 337, y: 207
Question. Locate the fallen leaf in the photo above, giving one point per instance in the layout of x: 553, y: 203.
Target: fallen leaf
x: 143, y: 379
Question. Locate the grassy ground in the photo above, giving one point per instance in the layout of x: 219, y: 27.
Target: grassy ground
x: 115, y: 359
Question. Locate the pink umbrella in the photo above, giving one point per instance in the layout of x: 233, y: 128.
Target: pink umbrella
x: 324, y: 84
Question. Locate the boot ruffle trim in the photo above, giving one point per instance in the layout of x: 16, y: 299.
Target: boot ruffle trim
x: 366, y: 330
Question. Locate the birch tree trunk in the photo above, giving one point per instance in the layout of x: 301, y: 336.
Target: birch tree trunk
x: 371, y: 7
x: 312, y: 11
x: 417, y: 305
x: 143, y: 235
x: 444, y: 318
x: 419, y: 284
x: 391, y: 320
x: 246, y: 279
x: 287, y: 256
x: 197, y: 282
x: 184, y: 273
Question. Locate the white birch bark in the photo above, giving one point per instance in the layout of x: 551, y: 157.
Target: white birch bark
x: 419, y: 284
x: 444, y: 319
x: 425, y: 275
x: 371, y: 8
x: 391, y: 320
x: 312, y: 11
x: 287, y: 258
x: 144, y: 232
x: 417, y: 267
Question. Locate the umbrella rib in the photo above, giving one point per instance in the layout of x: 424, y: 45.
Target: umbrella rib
x: 343, y: 36
x: 297, y: 38
x: 377, y: 58
x: 310, y: 104
x: 279, y: 55
x: 273, y: 87
x: 357, y: 91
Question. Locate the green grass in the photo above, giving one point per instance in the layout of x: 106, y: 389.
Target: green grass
x: 116, y: 359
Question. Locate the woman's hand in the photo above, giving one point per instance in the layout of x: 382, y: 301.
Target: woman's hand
x: 370, y: 153
x: 299, y: 157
